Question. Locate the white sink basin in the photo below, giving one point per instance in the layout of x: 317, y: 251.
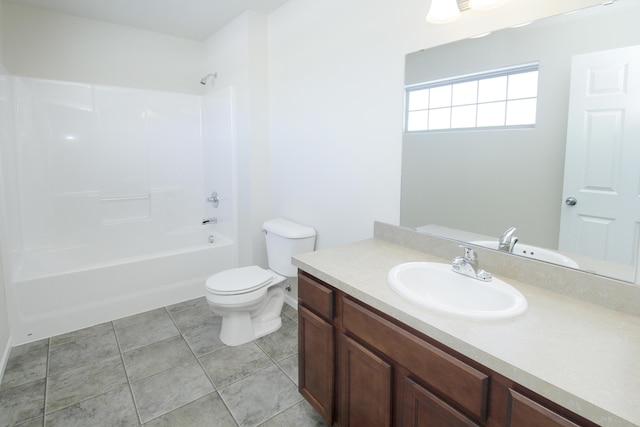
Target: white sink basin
x: 436, y: 287
x: 533, y: 252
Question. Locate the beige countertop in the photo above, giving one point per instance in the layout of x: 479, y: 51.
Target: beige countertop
x: 581, y: 355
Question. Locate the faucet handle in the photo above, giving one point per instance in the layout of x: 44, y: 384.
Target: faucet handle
x: 508, y: 233
x: 469, y: 253
x: 507, y: 241
x: 214, y: 199
x: 468, y: 265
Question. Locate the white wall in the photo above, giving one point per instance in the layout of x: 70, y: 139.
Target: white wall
x: 336, y: 100
x: 39, y: 43
x: 5, y: 332
x: 238, y: 53
x: 5, y: 336
x: 2, y: 69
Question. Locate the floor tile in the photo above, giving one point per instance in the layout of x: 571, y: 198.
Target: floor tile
x: 157, y: 357
x: 36, y: 422
x: 22, y: 403
x: 233, y: 363
x: 40, y: 345
x: 301, y: 414
x: 171, y: 389
x: 83, y: 351
x: 205, y: 412
x: 70, y: 387
x: 282, y: 343
x: 24, y: 368
x: 290, y: 367
x: 140, y: 334
x: 205, y: 340
x: 81, y: 333
x: 114, y: 408
x: 260, y: 396
x: 290, y: 312
x: 147, y: 316
x: 197, y: 317
x: 185, y: 305
x: 94, y: 371
x: 200, y: 327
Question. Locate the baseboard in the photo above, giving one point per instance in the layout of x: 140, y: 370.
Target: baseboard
x: 291, y: 301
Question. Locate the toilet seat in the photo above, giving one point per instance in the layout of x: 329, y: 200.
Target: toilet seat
x: 239, y: 280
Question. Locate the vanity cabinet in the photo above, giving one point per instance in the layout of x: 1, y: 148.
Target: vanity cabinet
x: 316, y: 345
x: 359, y: 367
x: 365, y: 386
x: 420, y: 407
x: 524, y: 412
x: 427, y: 377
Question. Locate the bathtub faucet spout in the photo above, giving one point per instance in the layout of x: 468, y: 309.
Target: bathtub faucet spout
x: 212, y: 220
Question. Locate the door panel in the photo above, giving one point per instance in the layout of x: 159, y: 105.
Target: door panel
x: 524, y: 412
x: 423, y: 409
x: 603, y: 147
x: 315, y: 357
x: 366, y: 387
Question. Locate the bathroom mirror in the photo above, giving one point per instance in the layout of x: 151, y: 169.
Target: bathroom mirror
x: 474, y: 184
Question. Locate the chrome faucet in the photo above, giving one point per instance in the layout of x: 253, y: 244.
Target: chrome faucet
x: 212, y: 220
x: 507, y: 241
x: 468, y: 265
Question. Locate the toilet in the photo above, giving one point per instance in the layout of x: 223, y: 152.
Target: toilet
x: 250, y: 299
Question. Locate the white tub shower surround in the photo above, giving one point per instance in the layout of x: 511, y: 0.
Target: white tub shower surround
x: 98, y: 292
x: 106, y: 192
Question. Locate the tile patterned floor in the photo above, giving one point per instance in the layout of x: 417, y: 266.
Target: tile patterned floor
x: 165, y: 367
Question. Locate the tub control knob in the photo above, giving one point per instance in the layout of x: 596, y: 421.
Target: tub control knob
x: 214, y: 199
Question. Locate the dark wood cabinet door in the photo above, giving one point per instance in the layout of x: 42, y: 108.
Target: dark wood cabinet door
x: 422, y: 408
x: 451, y: 377
x: 315, y: 296
x: 524, y: 412
x: 316, y: 362
x: 366, y: 384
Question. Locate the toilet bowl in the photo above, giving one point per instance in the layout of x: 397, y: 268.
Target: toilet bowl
x: 250, y: 299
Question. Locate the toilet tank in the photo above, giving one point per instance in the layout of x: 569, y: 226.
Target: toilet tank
x: 285, y: 239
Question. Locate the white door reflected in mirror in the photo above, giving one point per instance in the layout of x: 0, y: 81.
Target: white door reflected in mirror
x: 603, y: 148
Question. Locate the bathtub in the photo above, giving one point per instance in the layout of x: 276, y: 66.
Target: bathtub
x: 61, y: 290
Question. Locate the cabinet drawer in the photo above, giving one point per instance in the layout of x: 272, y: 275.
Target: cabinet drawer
x: 524, y: 412
x: 462, y: 384
x: 422, y: 408
x: 315, y: 296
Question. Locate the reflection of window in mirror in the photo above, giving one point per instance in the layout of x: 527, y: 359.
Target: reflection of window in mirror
x: 499, y: 98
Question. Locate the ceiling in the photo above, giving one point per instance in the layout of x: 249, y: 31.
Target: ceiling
x: 192, y: 19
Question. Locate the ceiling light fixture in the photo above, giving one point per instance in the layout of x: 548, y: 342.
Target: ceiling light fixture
x: 445, y: 11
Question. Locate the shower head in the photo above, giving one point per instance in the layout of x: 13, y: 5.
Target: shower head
x: 205, y: 78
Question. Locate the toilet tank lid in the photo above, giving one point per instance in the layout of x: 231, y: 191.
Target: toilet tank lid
x: 288, y: 229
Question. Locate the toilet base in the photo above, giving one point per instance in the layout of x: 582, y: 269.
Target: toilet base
x: 241, y: 327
